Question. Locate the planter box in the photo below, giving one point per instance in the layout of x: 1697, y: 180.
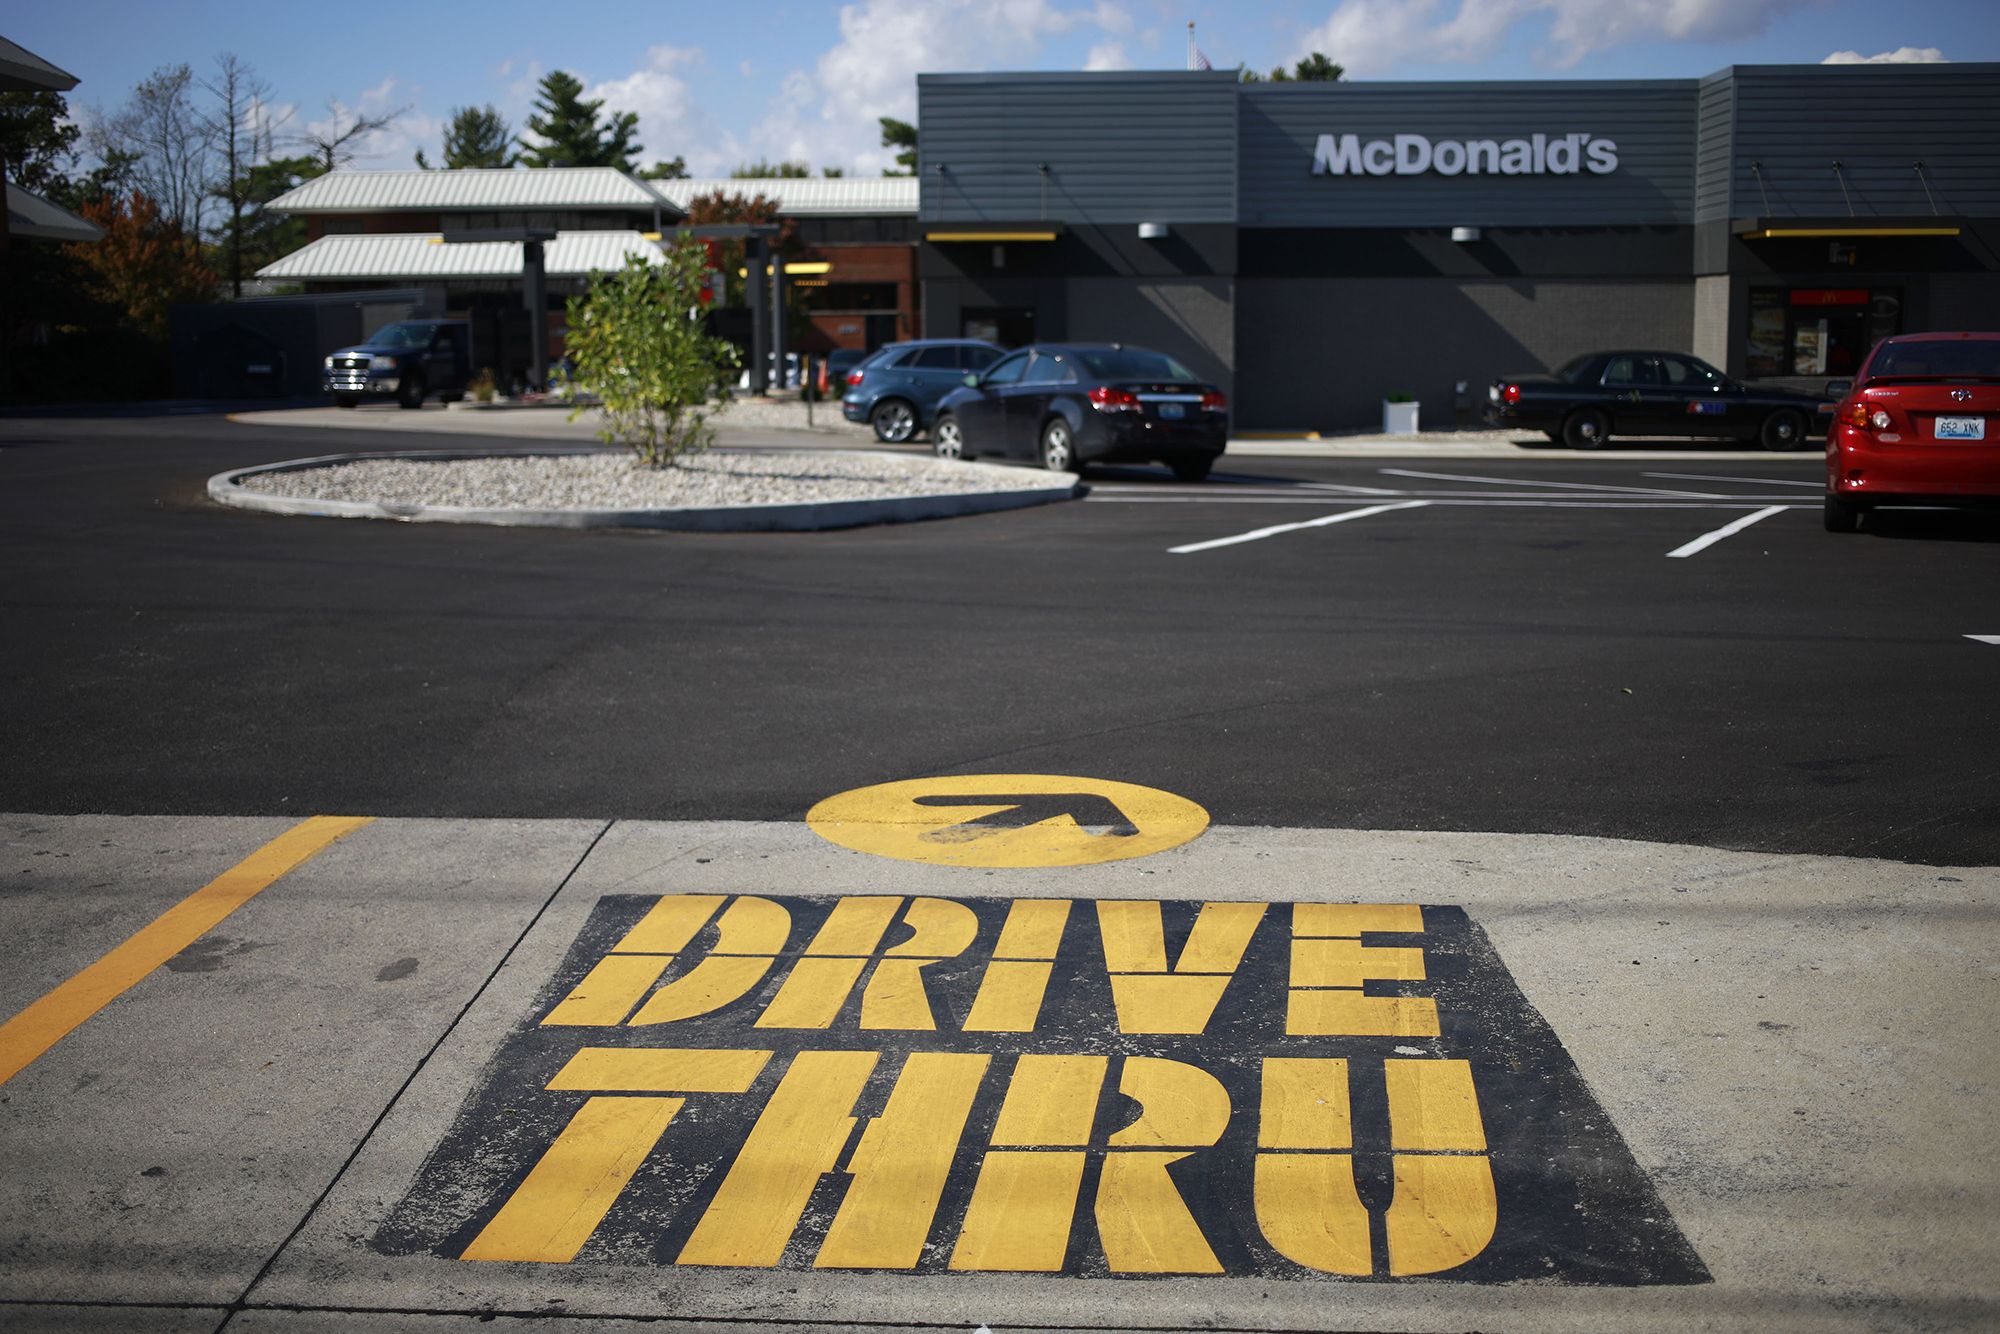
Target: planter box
x: 1399, y: 418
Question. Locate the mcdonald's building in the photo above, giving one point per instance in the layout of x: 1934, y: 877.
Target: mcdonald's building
x: 1317, y: 247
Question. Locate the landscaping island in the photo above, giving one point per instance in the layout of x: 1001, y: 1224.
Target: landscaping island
x: 593, y: 488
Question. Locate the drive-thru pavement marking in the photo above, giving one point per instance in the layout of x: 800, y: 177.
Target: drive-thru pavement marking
x: 1007, y: 820
x: 1785, y: 1057
x: 1108, y: 1088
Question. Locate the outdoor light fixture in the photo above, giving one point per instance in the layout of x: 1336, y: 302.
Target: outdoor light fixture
x: 1464, y: 234
x: 1152, y: 231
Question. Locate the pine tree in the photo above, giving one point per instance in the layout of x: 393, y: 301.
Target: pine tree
x: 476, y: 137
x: 901, y: 136
x: 570, y: 132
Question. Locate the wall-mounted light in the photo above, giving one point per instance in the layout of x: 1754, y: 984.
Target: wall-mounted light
x: 1462, y: 235
x: 1153, y: 231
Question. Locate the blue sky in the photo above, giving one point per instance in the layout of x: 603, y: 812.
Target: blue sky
x: 722, y: 84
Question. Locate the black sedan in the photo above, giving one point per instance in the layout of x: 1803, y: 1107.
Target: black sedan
x: 1073, y: 404
x: 1601, y: 394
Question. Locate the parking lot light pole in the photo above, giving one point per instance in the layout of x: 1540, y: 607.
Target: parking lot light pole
x: 753, y: 296
x: 777, y: 318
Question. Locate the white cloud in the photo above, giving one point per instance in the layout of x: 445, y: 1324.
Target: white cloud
x: 1902, y: 55
x: 1373, y: 37
x: 1108, y: 55
x: 669, y: 122
x: 871, y: 71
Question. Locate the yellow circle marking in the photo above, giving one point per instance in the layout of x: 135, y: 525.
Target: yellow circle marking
x: 1007, y: 820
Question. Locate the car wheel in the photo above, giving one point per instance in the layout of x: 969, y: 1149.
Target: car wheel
x: 1192, y: 470
x: 1783, y: 429
x: 1059, y: 448
x: 1842, y: 515
x: 948, y: 438
x: 1586, y: 428
x: 895, y: 421
x: 346, y: 400
x: 411, y: 392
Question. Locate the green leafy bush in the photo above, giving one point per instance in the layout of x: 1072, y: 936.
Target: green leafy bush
x: 643, y: 351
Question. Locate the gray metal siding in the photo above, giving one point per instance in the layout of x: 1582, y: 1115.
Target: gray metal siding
x: 1652, y: 123
x: 1715, y: 133
x: 1877, y: 120
x: 1318, y: 354
x: 1120, y: 147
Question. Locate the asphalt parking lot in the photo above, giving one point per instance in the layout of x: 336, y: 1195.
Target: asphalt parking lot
x: 1677, y: 1011
x: 1522, y: 651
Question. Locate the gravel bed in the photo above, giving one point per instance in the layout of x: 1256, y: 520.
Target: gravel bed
x: 610, y: 481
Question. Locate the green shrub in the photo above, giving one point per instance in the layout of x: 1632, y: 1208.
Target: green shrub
x: 641, y: 350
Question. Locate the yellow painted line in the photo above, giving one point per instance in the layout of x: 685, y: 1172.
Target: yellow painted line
x: 935, y: 237
x: 49, y: 1020
x: 1821, y: 233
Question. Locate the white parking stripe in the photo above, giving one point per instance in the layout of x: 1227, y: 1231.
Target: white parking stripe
x: 1707, y: 540
x: 1754, y: 481
x: 1273, y: 531
x: 1985, y: 639
x: 1566, y: 486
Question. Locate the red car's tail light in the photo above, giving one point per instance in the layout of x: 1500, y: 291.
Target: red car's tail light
x: 1511, y: 393
x: 1880, y: 420
x: 854, y: 377
x: 1215, y: 401
x: 1106, y: 399
x: 1854, y: 414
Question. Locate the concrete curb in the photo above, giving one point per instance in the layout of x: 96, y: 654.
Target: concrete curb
x: 226, y: 488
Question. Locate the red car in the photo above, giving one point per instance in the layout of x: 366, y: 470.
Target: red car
x: 1919, y: 425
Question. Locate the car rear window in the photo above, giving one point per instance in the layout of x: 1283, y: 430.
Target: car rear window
x: 936, y: 359
x: 1132, y: 363
x: 1575, y: 367
x: 1937, y: 360
x: 890, y: 356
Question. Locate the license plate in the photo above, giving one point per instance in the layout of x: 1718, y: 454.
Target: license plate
x: 1172, y: 412
x: 1960, y: 428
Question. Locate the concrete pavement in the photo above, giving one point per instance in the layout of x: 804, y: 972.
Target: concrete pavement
x: 1794, y: 1053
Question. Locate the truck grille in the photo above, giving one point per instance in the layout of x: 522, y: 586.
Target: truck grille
x: 348, y: 374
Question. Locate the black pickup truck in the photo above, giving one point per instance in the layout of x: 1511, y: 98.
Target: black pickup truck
x: 1599, y: 394
x: 407, y: 361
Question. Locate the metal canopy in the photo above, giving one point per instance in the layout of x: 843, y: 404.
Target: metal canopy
x: 22, y: 71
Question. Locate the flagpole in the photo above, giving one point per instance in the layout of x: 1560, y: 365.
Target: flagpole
x: 1190, y: 50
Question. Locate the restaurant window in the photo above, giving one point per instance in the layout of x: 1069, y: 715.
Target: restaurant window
x: 1818, y: 330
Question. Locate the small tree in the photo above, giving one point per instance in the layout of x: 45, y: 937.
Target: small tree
x: 144, y: 264
x: 642, y: 348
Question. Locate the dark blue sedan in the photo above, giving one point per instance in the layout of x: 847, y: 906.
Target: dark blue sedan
x: 897, y: 389
x: 1073, y: 404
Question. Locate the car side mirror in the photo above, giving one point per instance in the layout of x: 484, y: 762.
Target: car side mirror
x: 1839, y: 388
x: 972, y: 382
